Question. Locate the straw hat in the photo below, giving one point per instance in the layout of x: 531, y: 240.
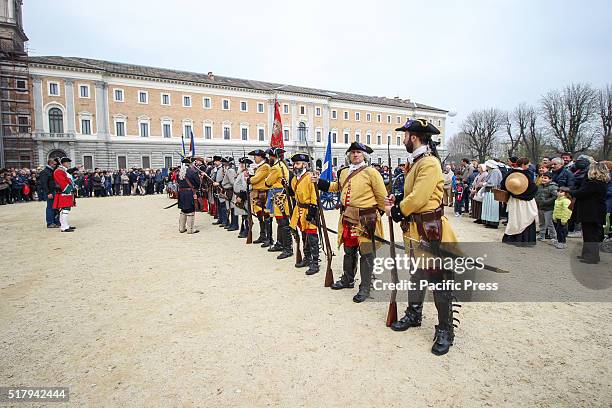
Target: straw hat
x: 517, y: 183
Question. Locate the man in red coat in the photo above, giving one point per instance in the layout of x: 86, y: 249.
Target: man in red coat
x: 64, y: 199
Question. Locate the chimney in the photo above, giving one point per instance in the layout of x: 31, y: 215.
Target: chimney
x: 211, y: 76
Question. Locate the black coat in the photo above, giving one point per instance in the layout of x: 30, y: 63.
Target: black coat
x: 185, y: 200
x: 46, y: 181
x: 591, y: 201
x: 563, y: 178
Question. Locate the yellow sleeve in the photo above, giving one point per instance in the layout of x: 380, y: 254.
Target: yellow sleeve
x: 260, y: 174
x: 273, y: 176
x: 379, y: 189
x: 312, y: 193
x: 422, y: 190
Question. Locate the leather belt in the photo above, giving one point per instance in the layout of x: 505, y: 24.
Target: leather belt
x: 362, y: 211
x: 302, y: 205
x: 423, y: 217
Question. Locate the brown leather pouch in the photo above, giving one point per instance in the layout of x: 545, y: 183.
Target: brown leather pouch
x: 351, y: 215
x: 367, y: 218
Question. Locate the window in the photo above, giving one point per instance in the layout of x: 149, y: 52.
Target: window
x: 346, y: 115
x: 399, y: 161
x: 167, y: 162
x: 143, y: 97
x: 244, y: 133
x: 24, y: 124
x: 335, y: 161
x: 302, y: 110
x: 334, y: 114
x: 88, y: 162
x: 357, y: 137
x: 146, y: 162
x: 187, y: 130
x: 121, y: 162
x: 334, y: 137
x: 167, y: 130
x: 207, y: 103
x: 86, y: 126
x: 144, y: 129
x: 357, y: 116
x: 318, y: 111
x: 243, y: 106
x: 368, y: 139
x: 21, y: 85
x: 399, y: 120
x: 226, y: 132
x: 286, y: 109
x: 380, y: 160
x: 187, y: 101
x: 388, y: 139
x: 54, y: 89
x: 346, y: 138
x: 286, y: 135
x: 165, y: 99
x: 84, y: 91
x: 261, y: 135
x: 207, y: 132
x: 388, y: 118
x: 318, y: 136
x: 439, y: 122
x: 260, y: 107
x: 378, y: 118
x: 368, y: 117
x: 302, y: 132
x: 56, y: 121
x: 399, y: 140
x: 118, y: 95
x: 226, y: 104
x: 378, y: 139
x: 120, y: 129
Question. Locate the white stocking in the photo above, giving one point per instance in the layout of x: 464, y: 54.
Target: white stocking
x: 63, y: 218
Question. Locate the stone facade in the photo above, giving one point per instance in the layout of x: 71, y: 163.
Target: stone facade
x: 115, y: 115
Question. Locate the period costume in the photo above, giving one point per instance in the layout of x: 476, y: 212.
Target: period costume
x: 188, y: 182
x: 278, y: 204
x: 227, y: 184
x: 522, y: 208
x: 259, y: 197
x: 63, y: 200
x: 240, y: 198
x: 305, y: 215
x: 217, y: 175
x: 362, y: 199
x: 421, y: 214
x: 490, y: 207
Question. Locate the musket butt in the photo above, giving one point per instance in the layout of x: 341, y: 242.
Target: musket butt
x: 392, y: 314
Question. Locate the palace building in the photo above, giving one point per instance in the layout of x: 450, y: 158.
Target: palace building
x: 113, y: 115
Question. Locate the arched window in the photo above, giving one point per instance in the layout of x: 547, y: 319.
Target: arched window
x: 56, y: 121
x: 302, y: 132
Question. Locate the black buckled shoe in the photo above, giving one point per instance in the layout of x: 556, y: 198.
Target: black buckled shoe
x: 360, y: 297
x: 412, y: 318
x: 305, y: 262
x: 312, y: 270
x: 343, y: 284
x: 443, y: 340
x: 285, y: 254
x: 276, y: 248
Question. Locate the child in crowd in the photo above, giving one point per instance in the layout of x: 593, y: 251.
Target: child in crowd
x: 545, y: 199
x: 458, y: 194
x: 561, y: 214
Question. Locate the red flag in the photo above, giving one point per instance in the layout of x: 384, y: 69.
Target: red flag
x: 277, y: 128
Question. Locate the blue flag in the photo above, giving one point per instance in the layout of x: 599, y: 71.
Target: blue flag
x: 192, y: 145
x: 326, y: 171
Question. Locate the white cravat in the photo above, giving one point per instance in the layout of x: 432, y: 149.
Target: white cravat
x: 353, y: 167
x: 417, y: 152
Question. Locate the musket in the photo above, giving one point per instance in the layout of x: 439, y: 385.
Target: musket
x: 249, y: 239
x: 294, y: 232
x: 392, y: 312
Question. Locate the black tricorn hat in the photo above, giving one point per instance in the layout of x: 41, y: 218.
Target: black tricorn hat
x: 300, y: 157
x: 418, y: 126
x: 359, y: 146
x: 245, y: 160
x: 257, y: 152
x: 65, y: 160
x: 217, y: 158
x: 186, y: 160
x: 275, y: 151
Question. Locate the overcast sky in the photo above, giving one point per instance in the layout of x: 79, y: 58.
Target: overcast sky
x: 456, y: 55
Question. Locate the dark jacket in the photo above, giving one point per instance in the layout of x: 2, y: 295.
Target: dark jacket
x: 546, y: 196
x: 563, y: 178
x: 46, y: 182
x: 591, y: 201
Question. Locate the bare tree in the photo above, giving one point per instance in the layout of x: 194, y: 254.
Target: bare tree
x: 458, y: 148
x: 605, y: 114
x: 518, y: 118
x: 481, y: 128
x: 568, y: 115
x: 533, y: 139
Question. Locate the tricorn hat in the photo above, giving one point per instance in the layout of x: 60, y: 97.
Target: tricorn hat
x: 186, y: 160
x: 418, y: 126
x: 300, y: 157
x: 217, y: 158
x: 360, y: 147
x: 517, y: 183
x: 257, y: 152
x: 245, y: 160
x: 65, y: 160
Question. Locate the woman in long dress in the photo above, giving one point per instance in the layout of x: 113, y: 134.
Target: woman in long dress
x: 490, y: 207
x: 522, y: 208
x: 475, y: 193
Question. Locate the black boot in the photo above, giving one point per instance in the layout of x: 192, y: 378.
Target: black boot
x: 313, y: 246
x: 285, y: 239
x: 269, y: 241
x: 277, y: 247
x: 412, y: 318
x: 234, y: 222
x: 244, y: 227
x: 262, y: 232
x: 349, y: 266
x: 445, y: 333
x: 366, y: 266
x: 306, y: 258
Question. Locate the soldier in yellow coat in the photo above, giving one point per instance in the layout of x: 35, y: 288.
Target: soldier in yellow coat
x: 277, y: 203
x: 420, y: 212
x: 305, y: 212
x: 259, y: 194
x: 362, y: 200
